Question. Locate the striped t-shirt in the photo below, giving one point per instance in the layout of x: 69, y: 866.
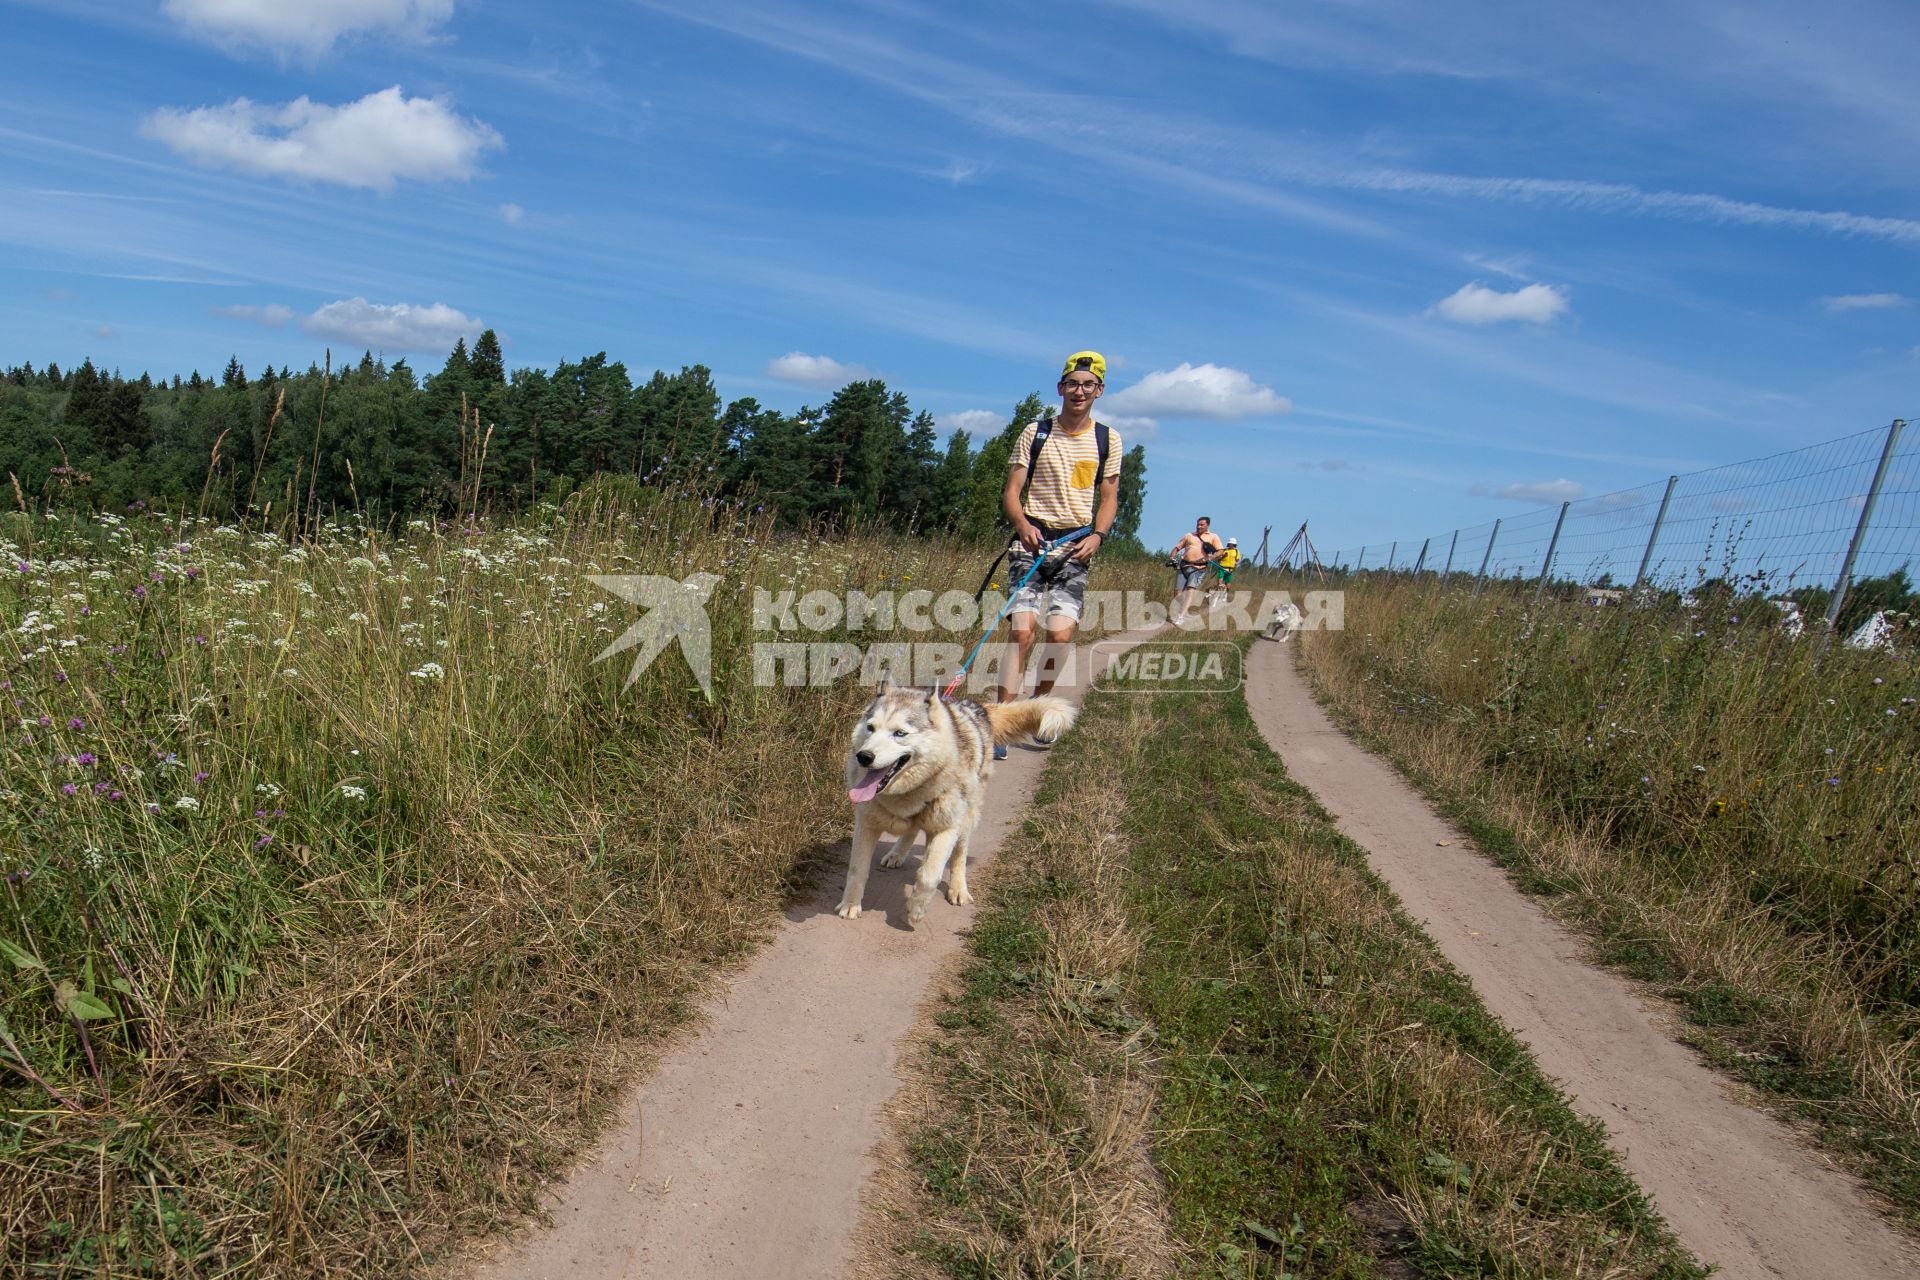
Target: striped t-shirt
x: 1061, y: 492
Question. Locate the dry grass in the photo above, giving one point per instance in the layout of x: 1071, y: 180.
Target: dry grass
x: 1198, y: 1038
x: 382, y: 887
x: 1766, y: 909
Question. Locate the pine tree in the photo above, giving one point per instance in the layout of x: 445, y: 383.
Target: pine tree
x: 235, y: 376
x: 486, y: 364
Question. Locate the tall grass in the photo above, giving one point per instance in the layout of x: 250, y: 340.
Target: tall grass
x: 1737, y: 812
x: 343, y: 889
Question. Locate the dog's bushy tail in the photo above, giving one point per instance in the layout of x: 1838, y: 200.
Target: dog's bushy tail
x: 1044, y: 718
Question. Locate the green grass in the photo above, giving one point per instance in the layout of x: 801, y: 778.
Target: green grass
x: 1727, y: 811
x: 1197, y: 1037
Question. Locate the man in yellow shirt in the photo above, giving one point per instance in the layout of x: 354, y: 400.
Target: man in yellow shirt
x: 1070, y: 481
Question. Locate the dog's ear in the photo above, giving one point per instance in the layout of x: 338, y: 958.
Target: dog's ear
x: 933, y: 696
x: 884, y: 688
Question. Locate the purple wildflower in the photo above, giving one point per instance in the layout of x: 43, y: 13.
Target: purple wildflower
x: 68, y: 788
x: 263, y: 842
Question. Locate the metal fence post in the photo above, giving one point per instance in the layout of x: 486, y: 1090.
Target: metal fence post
x: 1392, y: 551
x: 1553, y: 542
x: 1448, y: 572
x: 1361, y: 563
x: 1654, y: 537
x: 1421, y: 563
x: 1481, y: 580
x: 1860, y: 530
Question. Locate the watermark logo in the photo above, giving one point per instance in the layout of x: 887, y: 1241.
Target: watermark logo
x: 813, y: 638
x: 678, y: 613
x: 1192, y: 666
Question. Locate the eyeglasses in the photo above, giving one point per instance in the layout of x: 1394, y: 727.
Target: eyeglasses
x: 1086, y: 388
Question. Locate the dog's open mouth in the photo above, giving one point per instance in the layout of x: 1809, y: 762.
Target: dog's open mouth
x: 876, y: 781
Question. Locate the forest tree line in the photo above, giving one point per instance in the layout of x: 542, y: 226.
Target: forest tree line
x: 380, y: 439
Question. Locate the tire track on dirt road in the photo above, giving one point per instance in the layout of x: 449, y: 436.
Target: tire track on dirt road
x: 745, y: 1152
x: 1739, y: 1189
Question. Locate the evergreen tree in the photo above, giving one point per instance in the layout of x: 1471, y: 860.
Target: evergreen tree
x: 486, y: 364
x: 1133, y: 496
x: 235, y: 376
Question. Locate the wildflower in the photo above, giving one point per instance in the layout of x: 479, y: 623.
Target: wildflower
x: 352, y: 792
x: 1833, y: 782
x: 76, y: 723
x: 1699, y: 768
x: 268, y: 789
x: 68, y: 788
x: 263, y: 842
x: 201, y: 776
x: 429, y: 671
x: 86, y: 757
x: 187, y: 802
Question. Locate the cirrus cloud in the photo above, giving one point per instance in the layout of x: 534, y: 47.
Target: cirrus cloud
x: 1539, y: 493
x: 373, y: 142
x: 309, y: 28
x: 398, y: 326
x: 815, y: 371
x: 1476, y: 304
x: 1865, y: 301
x: 1196, y: 391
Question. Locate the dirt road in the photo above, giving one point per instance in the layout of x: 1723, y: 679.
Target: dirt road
x: 1740, y: 1190
x: 745, y: 1153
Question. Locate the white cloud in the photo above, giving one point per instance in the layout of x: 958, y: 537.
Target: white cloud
x: 1865, y: 301
x: 1197, y: 391
x: 271, y: 316
x: 815, y: 371
x: 1326, y: 464
x: 373, y: 142
x: 975, y: 422
x: 1477, y: 304
x: 512, y: 214
x: 1131, y: 428
x: 105, y: 331
x: 310, y: 27
x: 400, y: 326
x: 1539, y: 493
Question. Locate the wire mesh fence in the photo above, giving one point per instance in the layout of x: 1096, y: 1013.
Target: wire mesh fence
x: 1769, y: 524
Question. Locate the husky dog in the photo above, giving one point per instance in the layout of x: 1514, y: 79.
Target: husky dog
x: 920, y: 764
x: 1286, y: 620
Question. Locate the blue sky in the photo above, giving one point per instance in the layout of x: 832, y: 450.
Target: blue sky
x: 1376, y: 264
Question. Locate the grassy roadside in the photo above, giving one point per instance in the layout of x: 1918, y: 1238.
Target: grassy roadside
x: 1196, y: 1037
x: 341, y: 889
x: 1729, y: 819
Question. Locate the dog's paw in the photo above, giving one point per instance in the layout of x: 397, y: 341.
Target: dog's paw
x: 959, y: 897
x: 917, y: 907
x: 894, y: 856
x: 848, y: 910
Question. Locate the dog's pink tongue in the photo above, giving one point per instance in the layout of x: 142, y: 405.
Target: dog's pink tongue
x: 868, y: 787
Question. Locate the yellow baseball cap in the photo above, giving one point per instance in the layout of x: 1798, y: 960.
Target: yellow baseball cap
x: 1092, y: 361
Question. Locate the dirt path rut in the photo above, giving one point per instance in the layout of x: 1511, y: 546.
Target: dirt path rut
x: 1739, y: 1188
x: 744, y: 1154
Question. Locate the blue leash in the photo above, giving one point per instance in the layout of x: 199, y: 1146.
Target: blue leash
x: 1038, y: 558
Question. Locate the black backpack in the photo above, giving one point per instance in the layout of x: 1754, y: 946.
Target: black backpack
x: 1101, y: 442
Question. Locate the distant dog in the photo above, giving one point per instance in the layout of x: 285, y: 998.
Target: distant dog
x: 1285, y: 621
x: 919, y: 764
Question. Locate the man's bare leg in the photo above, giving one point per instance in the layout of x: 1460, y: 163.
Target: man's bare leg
x: 1058, y: 650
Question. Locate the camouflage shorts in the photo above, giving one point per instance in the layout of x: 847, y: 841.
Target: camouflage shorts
x: 1062, y: 597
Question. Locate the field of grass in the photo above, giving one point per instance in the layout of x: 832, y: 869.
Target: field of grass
x: 1735, y: 816
x: 341, y: 889
x: 1196, y: 1037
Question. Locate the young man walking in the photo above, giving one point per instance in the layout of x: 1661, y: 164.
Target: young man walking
x: 1191, y: 556
x: 1071, y: 481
